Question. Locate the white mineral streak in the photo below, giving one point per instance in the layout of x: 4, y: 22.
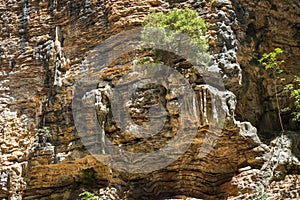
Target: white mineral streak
x: 58, y: 52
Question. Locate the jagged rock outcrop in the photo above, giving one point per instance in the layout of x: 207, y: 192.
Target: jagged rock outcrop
x: 278, y: 162
x: 44, y: 45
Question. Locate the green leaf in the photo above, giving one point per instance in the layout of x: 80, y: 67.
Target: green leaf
x: 178, y: 21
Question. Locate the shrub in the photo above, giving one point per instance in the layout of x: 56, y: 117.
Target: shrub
x: 88, y: 196
x: 294, y: 89
x: 271, y: 62
x: 175, y: 30
x: 184, y: 21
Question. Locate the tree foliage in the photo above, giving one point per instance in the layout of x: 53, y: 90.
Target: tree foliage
x: 185, y: 21
x: 294, y: 89
x: 88, y: 196
x: 271, y: 62
x: 180, y: 30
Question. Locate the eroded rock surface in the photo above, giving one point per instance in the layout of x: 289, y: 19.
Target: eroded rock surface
x: 263, y: 27
x: 43, y: 47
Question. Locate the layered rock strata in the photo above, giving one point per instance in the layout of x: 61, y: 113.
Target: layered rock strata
x: 42, y: 50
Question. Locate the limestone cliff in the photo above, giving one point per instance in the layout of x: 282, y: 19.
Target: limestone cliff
x: 44, y: 45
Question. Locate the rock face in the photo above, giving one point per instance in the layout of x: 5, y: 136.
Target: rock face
x: 263, y: 27
x: 44, y: 46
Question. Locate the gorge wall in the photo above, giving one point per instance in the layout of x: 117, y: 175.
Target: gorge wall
x: 42, y: 49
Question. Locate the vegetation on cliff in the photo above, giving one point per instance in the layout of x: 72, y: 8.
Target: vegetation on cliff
x: 271, y: 62
x: 175, y: 31
x: 294, y: 89
x: 184, y: 21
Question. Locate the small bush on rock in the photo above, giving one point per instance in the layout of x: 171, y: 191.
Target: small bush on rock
x: 179, y: 31
x: 271, y: 62
x: 88, y: 196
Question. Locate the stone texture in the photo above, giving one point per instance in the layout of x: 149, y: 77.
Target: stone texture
x: 42, y: 48
x: 263, y: 26
x: 273, y: 179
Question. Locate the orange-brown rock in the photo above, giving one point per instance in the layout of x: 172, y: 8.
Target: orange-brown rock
x: 43, y: 47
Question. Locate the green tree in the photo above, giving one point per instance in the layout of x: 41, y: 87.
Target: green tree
x: 272, y: 63
x: 176, y: 30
